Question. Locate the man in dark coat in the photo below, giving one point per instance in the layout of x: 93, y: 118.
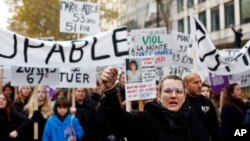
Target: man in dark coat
x: 202, y: 116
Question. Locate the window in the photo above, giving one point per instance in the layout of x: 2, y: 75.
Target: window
x: 190, y: 3
x: 180, y: 5
x: 181, y: 25
x: 201, y: 1
x: 215, y: 19
x: 189, y: 31
x: 244, y: 11
x: 229, y: 14
x: 202, y: 18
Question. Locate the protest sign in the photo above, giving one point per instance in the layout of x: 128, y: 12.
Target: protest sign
x: 79, y: 17
x: 180, y: 55
x: 209, y: 56
x: 105, y: 48
x: 140, y: 78
x: 78, y: 77
x: 34, y: 76
x: 218, y: 82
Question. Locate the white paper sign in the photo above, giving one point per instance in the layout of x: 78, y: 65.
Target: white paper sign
x: 78, y: 77
x: 140, y: 82
x: 180, y: 54
x: 103, y: 49
x: 79, y: 17
x: 34, y: 76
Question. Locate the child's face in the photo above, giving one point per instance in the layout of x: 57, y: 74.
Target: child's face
x: 62, y: 111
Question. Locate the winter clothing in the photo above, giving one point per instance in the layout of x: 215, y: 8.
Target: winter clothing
x: 202, y: 119
x: 18, y: 122
x: 55, y: 129
x: 232, y: 116
x: 154, y: 124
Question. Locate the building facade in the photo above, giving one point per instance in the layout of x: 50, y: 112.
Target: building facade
x: 217, y: 16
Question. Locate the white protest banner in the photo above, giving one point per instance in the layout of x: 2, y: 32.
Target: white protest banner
x: 52, y: 38
x: 140, y: 78
x: 180, y: 55
x: 79, y: 17
x: 103, y: 49
x: 242, y: 78
x: 78, y: 77
x: 227, y: 55
x: 208, y: 56
x: 34, y: 76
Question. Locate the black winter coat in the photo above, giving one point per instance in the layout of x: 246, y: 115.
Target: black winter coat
x: 154, y: 124
x: 202, y: 119
x: 18, y: 122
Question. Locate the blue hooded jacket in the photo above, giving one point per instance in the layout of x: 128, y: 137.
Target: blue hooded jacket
x: 55, y: 128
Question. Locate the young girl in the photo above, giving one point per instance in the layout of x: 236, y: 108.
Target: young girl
x: 62, y: 126
x: 40, y: 116
x: 22, y: 98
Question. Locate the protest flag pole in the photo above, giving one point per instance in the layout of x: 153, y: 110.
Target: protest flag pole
x: 1, y: 80
x: 35, y: 108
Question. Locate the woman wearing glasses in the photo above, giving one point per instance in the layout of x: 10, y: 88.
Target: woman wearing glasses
x: 164, y: 119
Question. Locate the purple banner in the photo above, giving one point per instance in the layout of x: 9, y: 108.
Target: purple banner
x: 218, y: 82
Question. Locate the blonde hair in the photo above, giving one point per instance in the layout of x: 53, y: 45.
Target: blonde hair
x: 20, y: 96
x: 46, y: 110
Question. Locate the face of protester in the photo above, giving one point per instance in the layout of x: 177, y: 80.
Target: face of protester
x: 80, y: 94
x: 193, y: 84
x: 3, y: 101
x: 60, y: 94
x: 8, y: 91
x: 172, y: 95
x: 41, y: 94
x: 62, y: 111
x: 205, y: 91
x: 25, y: 91
x: 122, y: 80
x: 237, y: 92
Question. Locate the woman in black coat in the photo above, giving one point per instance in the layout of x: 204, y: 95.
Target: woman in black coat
x: 233, y: 112
x: 12, y: 124
x: 164, y: 119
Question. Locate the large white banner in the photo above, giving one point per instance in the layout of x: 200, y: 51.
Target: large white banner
x: 210, y: 58
x: 79, y: 17
x: 102, y: 49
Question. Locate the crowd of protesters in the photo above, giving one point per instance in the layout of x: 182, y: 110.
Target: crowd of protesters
x: 185, y: 109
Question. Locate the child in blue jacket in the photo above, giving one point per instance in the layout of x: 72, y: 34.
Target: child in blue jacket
x: 62, y: 126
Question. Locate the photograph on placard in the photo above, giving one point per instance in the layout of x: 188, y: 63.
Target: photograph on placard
x: 133, y: 70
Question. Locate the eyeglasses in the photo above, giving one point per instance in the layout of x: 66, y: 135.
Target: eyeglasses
x: 178, y: 91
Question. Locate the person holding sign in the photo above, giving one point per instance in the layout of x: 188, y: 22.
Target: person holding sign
x: 164, y: 119
x: 12, y: 123
x: 44, y: 111
x: 133, y: 73
x: 62, y: 126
